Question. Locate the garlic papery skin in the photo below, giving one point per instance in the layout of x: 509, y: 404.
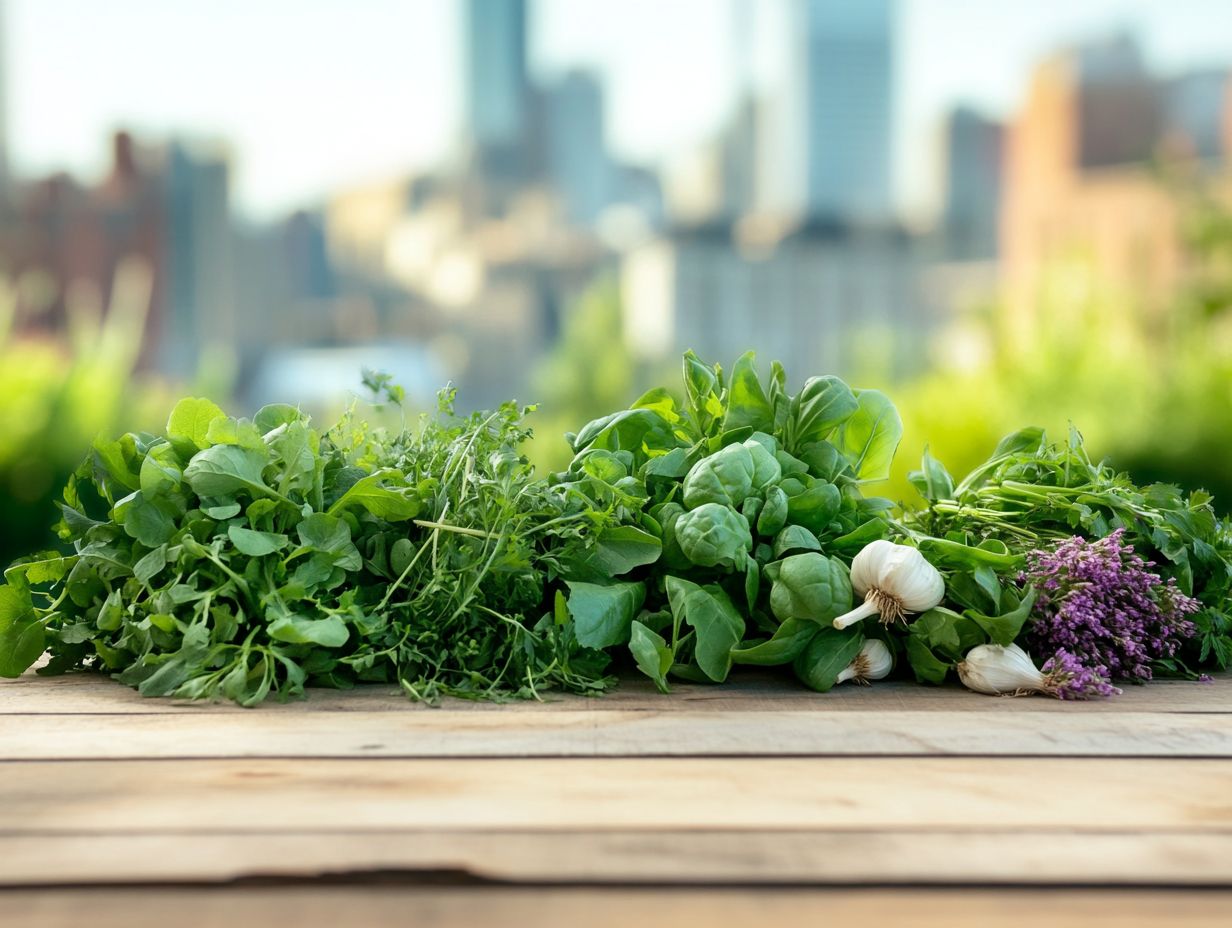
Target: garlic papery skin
x: 894, y: 580
x: 872, y: 663
x: 1000, y: 671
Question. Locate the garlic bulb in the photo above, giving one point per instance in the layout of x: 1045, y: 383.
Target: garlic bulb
x: 894, y: 580
x: 872, y: 663
x: 997, y: 671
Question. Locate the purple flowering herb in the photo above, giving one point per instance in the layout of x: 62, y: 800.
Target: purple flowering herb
x: 1103, y: 613
x: 1065, y: 677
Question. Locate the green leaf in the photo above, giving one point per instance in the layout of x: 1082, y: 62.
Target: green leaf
x: 795, y: 538
x: 622, y: 548
x: 747, y: 403
x: 603, y: 613
x: 941, y: 552
x: 22, y: 638
x: 860, y: 536
x: 48, y: 567
x: 717, y: 622
x: 826, y: 656
x: 189, y: 425
x: 932, y: 480
x: 869, y: 438
x: 1026, y: 441
x: 295, y: 449
x: 630, y: 430
x: 924, y: 664
x: 330, y: 535
x: 671, y: 466
x: 652, y: 654
x: 1003, y: 629
x: 784, y: 646
x: 151, y: 521
x: 752, y: 583
x: 228, y: 431
x: 823, y: 405
x: 160, y: 471
x: 824, y: 461
x: 661, y: 401
x: 256, y: 544
x: 117, y: 464
x: 816, y: 507
x: 149, y: 566
x: 223, y: 470
x: 393, y: 504
x: 270, y: 417
x: 223, y: 512
x: 329, y: 631
x: 810, y: 586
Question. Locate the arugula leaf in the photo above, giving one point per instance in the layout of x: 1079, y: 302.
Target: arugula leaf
x: 223, y: 470
x: 189, y: 424
x: 22, y: 637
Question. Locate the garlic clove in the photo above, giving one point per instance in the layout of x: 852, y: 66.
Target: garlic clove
x: 872, y: 663
x: 894, y: 580
x: 999, y: 671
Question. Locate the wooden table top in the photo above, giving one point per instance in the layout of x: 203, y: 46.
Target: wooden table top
x: 741, y: 804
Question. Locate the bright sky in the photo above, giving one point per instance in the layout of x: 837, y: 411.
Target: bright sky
x: 313, y: 95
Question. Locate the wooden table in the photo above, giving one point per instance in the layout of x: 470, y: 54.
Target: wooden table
x: 748, y: 804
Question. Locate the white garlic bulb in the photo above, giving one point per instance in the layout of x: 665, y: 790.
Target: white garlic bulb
x: 997, y: 671
x: 872, y: 663
x: 894, y: 580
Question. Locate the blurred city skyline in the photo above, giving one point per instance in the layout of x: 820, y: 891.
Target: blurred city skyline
x: 310, y: 98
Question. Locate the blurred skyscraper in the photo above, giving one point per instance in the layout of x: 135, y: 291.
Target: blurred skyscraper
x: 577, y: 158
x: 497, y: 88
x: 826, y: 151
x: 972, y: 184
x: 1198, y: 112
x: 199, y: 298
x: 1088, y: 158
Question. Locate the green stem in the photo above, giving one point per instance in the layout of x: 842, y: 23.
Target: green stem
x: 457, y: 529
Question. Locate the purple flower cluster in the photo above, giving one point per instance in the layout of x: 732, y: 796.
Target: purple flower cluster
x: 1065, y: 677
x: 1103, y: 613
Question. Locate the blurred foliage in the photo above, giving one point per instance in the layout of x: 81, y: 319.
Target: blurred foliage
x: 57, y: 396
x: 1150, y: 386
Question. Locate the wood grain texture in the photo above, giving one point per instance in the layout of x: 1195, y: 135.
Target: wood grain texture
x: 596, y: 732
x: 84, y: 694
x: 856, y: 794
x: 435, y: 907
x: 680, y: 858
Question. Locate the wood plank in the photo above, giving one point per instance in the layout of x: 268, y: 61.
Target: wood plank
x: 900, y: 857
x: 947, y: 793
x: 751, y: 692
x: 613, y: 733
x: 437, y: 907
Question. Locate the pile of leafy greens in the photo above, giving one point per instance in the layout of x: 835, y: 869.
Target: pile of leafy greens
x: 239, y: 558
x: 758, y: 496
x: 690, y: 534
x: 1032, y: 494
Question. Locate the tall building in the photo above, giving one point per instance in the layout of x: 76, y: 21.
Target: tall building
x: 497, y: 87
x: 1119, y: 104
x: 577, y: 158
x: 828, y: 145
x: 824, y: 299
x: 972, y: 184
x: 1080, y: 183
x: 1197, y: 110
x: 199, y: 307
